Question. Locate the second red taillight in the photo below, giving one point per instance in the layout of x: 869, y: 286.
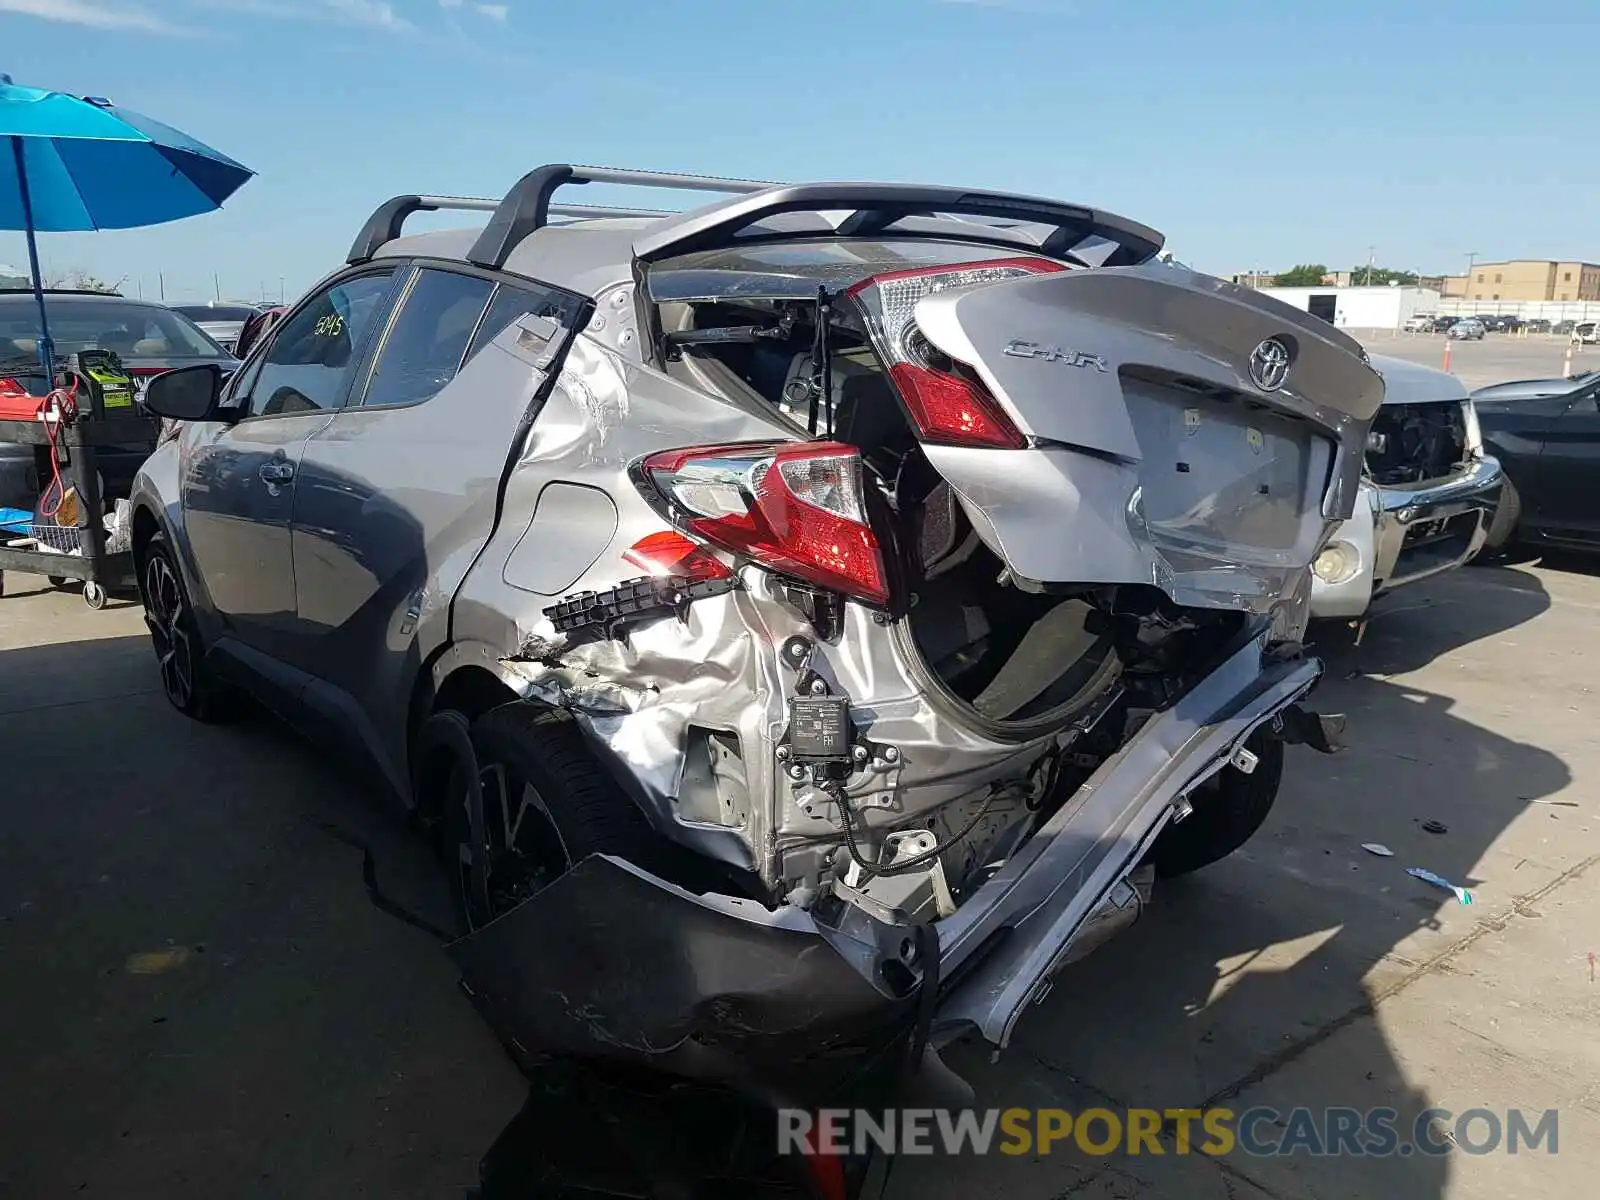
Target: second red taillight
x: 795, y: 508
x: 945, y: 398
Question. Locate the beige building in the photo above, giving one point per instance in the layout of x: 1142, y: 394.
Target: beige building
x: 1526, y: 279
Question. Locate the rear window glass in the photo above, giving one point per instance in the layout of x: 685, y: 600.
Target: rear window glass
x: 131, y: 329
x: 792, y: 270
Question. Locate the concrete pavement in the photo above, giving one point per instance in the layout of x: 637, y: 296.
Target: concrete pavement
x: 201, y: 999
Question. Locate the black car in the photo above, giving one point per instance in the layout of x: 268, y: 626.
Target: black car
x: 1507, y: 323
x: 1539, y: 325
x: 149, y: 338
x: 1442, y: 324
x: 1546, y: 434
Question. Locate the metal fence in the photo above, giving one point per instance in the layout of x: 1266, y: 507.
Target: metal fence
x: 1549, y: 310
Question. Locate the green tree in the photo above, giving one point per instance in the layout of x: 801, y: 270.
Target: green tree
x: 1380, y: 276
x: 1303, y: 275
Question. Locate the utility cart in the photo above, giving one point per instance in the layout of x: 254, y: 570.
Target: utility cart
x: 66, y: 430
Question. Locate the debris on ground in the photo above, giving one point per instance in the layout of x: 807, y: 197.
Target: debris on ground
x: 1427, y: 876
x: 157, y: 962
x: 1377, y: 848
x: 1435, y: 827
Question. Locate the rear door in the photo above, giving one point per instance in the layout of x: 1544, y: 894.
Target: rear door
x: 1197, y: 435
x: 238, y: 482
x: 1569, y: 501
x: 396, y: 494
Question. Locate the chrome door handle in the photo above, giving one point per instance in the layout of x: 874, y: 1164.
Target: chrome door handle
x: 276, y: 472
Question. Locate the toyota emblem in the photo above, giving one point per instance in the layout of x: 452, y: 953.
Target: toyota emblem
x: 1269, y: 365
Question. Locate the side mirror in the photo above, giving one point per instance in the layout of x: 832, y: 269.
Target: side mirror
x: 187, y: 394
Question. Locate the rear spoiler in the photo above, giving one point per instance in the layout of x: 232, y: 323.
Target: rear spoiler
x: 1049, y: 227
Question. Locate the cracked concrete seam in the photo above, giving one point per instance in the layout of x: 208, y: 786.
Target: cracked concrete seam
x: 1369, y: 1006
x: 1439, y: 962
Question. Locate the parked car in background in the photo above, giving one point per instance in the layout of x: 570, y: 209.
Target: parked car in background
x: 1421, y: 323
x: 149, y: 339
x: 1586, y: 333
x: 1563, y: 328
x: 1442, y: 324
x: 1546, y: 434
x: 222, y: 322
x: 1428, y: 493
x: 1539, y: 325
x: 699, y: 579
x: 1467, y: 329
x: 1507, y: 323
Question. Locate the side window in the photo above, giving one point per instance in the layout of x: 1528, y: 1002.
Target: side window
x: 512, y: 302
x: 428, y: 340
x: 314, y: 353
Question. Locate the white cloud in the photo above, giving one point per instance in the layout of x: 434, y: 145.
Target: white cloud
x: 495, y: 12
x: 379, y: 14
x: 369, y: 14
x: 96, y: 14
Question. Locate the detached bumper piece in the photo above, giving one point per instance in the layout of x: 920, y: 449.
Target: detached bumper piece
x: 608, y: 614
x: 613, y: 964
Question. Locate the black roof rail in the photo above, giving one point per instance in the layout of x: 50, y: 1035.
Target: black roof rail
x: 876, y: 207
x: 527, y: 207
x: 384, y: 225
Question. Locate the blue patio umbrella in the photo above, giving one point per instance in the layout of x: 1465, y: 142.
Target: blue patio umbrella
x: 69, y: 164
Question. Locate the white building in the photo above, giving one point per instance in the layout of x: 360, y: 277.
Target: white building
x: 1360, y: 307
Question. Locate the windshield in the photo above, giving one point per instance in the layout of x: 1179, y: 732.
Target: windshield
x: 131, y: 329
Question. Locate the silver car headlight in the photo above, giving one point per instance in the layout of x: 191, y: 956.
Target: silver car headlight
x: 1338, y: 563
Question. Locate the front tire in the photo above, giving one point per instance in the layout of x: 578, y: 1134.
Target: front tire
x: 189, y: 685
x: 547, y: 805
x: 1226, y: 814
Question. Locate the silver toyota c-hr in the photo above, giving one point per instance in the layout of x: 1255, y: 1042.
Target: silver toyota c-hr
x: 829, y: 606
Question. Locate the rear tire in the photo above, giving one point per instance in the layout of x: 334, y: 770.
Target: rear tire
x: 189, y: 684
x: 1507, y: 515
x: 1226, y: 815
x: 547, y: 805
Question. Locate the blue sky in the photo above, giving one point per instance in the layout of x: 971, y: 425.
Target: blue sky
x: 1253, y: 134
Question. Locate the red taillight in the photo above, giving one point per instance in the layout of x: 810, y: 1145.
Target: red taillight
x: 670, y: 553
x: 954, y: 411
x: 794, y: 508
x: 944, y: 397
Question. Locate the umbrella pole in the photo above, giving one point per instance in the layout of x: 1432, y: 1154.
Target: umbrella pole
x: 47, y: 348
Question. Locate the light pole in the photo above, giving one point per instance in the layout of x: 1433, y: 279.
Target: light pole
x: 1472, y: 257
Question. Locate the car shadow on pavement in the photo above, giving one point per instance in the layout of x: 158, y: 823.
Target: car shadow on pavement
x: 1410, y: 628
x: 1254, y: 983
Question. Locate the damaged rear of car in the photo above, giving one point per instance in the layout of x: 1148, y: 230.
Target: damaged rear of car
x: 947, y: 590
x: 804, y: 620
